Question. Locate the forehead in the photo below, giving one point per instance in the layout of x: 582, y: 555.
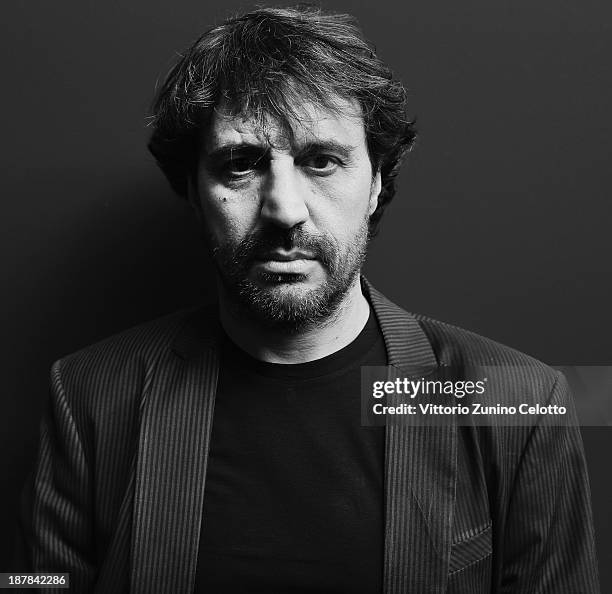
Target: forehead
x: 310, y: 124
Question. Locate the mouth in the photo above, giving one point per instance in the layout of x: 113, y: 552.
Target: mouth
x: 284, y: 256
x: 286, y: 262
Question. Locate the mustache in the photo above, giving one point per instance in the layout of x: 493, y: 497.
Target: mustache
x: 259, y: 243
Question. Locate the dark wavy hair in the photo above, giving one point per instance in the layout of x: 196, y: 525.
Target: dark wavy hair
x: 266, y: 63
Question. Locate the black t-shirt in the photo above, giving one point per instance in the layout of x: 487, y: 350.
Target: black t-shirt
x: 294, y: 488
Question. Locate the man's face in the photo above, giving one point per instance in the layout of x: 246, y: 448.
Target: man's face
x: 286, y: 215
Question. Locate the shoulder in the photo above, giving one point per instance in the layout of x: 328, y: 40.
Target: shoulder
x: 460, y: 349
x: 454, y: 346
x: 119, y: 366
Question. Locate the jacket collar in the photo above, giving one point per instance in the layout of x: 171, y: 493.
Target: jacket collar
x: 408, y: 347
x: 176, y: 424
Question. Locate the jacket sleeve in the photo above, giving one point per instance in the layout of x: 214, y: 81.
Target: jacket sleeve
x: 549, y: 543
x: 57, y: 515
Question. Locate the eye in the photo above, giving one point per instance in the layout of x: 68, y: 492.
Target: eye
x: 321, y: 164
x: 239, y: 166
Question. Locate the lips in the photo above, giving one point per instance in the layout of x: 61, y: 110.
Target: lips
x: 282, y: 262
x: 284, y: 256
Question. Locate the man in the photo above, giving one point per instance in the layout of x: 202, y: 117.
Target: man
x: 221, y: 449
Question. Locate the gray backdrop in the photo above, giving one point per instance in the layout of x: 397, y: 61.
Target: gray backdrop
x: 502, y: 219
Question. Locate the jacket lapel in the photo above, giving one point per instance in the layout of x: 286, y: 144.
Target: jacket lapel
x: 420, y: 469
x: 171, y: 466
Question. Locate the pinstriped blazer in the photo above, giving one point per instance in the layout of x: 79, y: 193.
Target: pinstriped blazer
x: 117, y: 495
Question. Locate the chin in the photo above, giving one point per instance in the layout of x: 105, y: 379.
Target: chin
x: 289, y: 303
x: 290, y: 289
x: 290, y: 295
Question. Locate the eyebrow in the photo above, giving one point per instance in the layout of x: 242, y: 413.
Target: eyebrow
x: 327, y: 146
x: 224, y: 150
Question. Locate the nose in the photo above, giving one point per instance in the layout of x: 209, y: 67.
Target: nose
x: 283, y: 195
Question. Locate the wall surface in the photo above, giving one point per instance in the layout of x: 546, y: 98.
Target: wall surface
x: 502, y: 221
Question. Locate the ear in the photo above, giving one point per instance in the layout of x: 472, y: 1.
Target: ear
x: 375, y: 189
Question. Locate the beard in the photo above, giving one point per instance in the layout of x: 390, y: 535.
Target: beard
x: 281, y: 300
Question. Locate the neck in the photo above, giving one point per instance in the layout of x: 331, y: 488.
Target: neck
x: 276, y: 345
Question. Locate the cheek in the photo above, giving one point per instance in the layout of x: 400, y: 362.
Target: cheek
x: 347, y: 200
x: 226, y: 217
x: 220, y: 220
